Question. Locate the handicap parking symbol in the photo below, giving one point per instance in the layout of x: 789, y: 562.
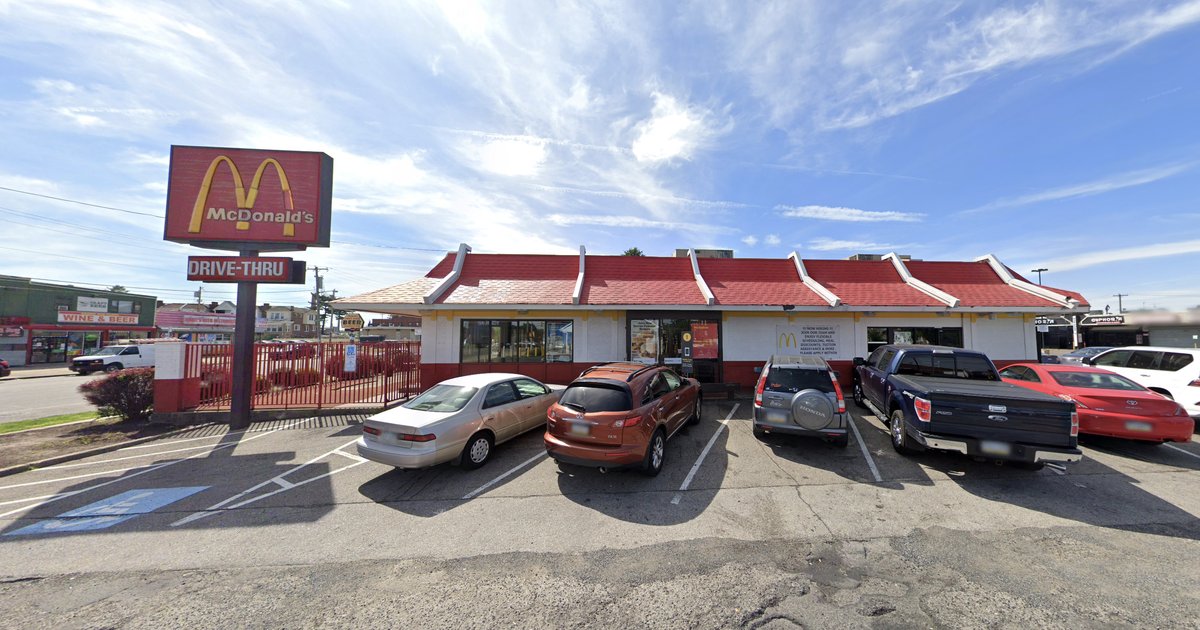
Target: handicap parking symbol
x: 108, y: 512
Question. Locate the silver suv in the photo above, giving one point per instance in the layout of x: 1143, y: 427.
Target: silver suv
x: 800, y: 395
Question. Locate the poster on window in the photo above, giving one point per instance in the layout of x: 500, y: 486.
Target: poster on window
x: 643, y: 340
x: 704, y: 340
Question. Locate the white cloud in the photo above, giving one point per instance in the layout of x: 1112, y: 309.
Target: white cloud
x: 1093, y: 258
x: 829, y: 213
x: 1087, y: 189
x: 512, y: 157
x: 673, y: 130
x: 750, y: 240
x: 772, y: 240
x: 829, y: 245
x: 626, y: 221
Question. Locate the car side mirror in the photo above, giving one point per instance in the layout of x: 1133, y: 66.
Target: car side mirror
x: 1088, y: 361
x: 859, y: 361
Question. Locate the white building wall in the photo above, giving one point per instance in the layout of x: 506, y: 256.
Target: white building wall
x: 1005, y: 338
x: 756, y: 338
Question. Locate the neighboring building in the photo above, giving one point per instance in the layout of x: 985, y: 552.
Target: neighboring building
x: 304, y: 322
x: 552, y: 316
x: 51, y: 323
x: 395, y: 328
x: 704, y: 253
x: 194, y: 322
x: 1169, y: 329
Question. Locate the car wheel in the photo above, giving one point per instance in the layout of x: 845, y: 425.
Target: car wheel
x: 477, y: 451
x: 858, y: 396
x: 656, y: 452
x: 695, y: 419
x: 900, y: 440
x: 112, y: 367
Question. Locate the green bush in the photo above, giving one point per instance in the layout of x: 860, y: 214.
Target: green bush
x: 128, y: 394
x: 300, y: 377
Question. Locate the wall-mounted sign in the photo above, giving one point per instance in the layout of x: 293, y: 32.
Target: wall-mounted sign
x: 1102, y: 320
x: 352, y: 322
x: 704, y: 340
x: 244, y: 269
x: 643, y: 340
x: 12, y: 331
x: 76, y: 317
x: 233, y: 198
x: 819, y: 340
x: 91, y: 304
x: 687, y: 347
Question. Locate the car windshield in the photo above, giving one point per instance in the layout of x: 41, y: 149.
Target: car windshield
x: 1095, y: 380
x: 111, y: 350
x: 590, y: 397
x: 965, y: 366
x: 792, y: 380
x: 444, y: 398
x: 1085, y: 352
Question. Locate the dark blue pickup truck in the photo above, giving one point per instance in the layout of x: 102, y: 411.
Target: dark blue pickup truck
x: 952, y: 399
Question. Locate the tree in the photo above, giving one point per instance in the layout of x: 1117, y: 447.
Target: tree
x: 633, y: 251
x: 116, y: 288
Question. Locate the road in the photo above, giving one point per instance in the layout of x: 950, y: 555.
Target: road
x: 286, y: 526
x: 28, y: 398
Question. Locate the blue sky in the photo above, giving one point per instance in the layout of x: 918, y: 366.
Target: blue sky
x: 1052, y: 134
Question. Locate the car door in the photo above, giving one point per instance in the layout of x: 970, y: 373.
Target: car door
x: 654, y: 397
x: 875, y: 376
x: 676, y: 400
x: 1178, y: 372
x: 535, y: 401
x: 130, y: 357
x: 500, y: 410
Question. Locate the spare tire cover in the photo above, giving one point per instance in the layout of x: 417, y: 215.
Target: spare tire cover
x: 812, y: 409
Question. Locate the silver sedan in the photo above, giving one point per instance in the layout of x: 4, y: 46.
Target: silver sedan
x: 459, y: 420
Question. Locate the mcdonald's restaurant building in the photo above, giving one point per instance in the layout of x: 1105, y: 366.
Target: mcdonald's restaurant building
x: 551, y: 316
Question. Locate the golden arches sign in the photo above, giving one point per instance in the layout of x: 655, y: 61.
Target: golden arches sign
x: 244, y: 201
x: 787, y: 340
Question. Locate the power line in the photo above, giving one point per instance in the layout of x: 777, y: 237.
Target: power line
x: 82, y: 203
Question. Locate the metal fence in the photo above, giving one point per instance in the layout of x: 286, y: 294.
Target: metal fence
x: 310, y: 375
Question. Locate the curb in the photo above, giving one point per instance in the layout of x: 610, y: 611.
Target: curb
x: 55, y: 426
x: 14, y: 377
x: 59, y: 459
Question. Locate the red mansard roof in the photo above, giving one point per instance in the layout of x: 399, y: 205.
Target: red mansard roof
x: 513, y: 279
x: 974, y: 284
x: 867, y: 283
x: 639, y: 280
x: 751, y: 281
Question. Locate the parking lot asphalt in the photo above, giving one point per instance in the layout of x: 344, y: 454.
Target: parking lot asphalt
x: 265, y: 525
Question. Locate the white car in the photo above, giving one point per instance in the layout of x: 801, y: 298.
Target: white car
x: 459, y: 420
x: 113, y: 358
x: 1172, y: 372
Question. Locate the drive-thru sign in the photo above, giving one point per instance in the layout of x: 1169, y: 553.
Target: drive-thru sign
x: 249, y: 201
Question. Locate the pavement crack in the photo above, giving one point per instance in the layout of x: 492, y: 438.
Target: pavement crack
x: 814, y: 512
x: 21, y: 579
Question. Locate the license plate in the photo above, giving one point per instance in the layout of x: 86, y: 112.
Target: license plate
x: 989, y: 447
x: 580, y: 428
x: 775, y: 416
x: 1139, y: 426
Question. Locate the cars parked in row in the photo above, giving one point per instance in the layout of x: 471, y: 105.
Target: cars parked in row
x: 458, y: 420
x: 1172, y: 372
x: 1107, y: 403
x: 621, y: 415
x: 953, y: 399
x: 1076, y: 356
x: 800, y: 395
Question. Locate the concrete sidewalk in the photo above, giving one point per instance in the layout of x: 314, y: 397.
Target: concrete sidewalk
x: 39, y: 371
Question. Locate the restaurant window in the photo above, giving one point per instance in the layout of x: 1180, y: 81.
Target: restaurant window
x: 880, y: 336
x: 516, y: 341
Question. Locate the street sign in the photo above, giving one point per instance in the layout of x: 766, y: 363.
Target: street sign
x: 352, y: 322
x: 1102, y: 320
x: 351, y: 364
x: 1045, y: 328
x: 685, y: 351
x: 245, y: 269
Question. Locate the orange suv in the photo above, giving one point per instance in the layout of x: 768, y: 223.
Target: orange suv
x: 620, y: 415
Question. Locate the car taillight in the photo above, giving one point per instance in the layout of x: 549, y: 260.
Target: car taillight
x: 1068, y: 398
x: 759, y: 388
x: 1074, y: 424
x: 631, y: 420
x: 837, y: 388
x: 1195, y: 383
x: 371, y: 430
x: 924, y: 409
x: 414, y: 437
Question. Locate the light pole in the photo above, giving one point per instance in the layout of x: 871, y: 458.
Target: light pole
x: 1039, y: 271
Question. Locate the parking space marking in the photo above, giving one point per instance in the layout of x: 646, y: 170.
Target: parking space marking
x: 863, y: 446
x: 120, y: 459
x: 474, y: 493
x: 232, y: 503
x: 108, y: 512
x: 1184, y: 451
x: 64, y: 495
x: 687, y: 481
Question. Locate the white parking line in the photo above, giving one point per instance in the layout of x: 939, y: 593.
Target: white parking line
x: 1185, y: 452
x: 687, y: 481
x: 64, y: 495
x: 863, y: 446
x: 474, y: 493
x: 284, y: 486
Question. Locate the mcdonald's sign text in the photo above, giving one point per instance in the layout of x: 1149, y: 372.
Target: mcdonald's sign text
x: 243, y: 269
x: 238, y: 198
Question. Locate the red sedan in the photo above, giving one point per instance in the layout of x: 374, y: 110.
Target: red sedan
x: 1108, y: 403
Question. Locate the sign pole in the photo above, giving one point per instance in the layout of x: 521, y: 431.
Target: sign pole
x: 244, y: 368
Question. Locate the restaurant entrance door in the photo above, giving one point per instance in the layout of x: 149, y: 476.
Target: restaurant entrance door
x: 658, y: 338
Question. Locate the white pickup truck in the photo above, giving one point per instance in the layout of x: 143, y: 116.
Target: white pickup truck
x: 114, y: 358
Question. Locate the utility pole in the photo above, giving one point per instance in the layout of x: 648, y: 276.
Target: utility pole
x: 1120, y: 308
x: 1039, y: 271
x: 315, y: 303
